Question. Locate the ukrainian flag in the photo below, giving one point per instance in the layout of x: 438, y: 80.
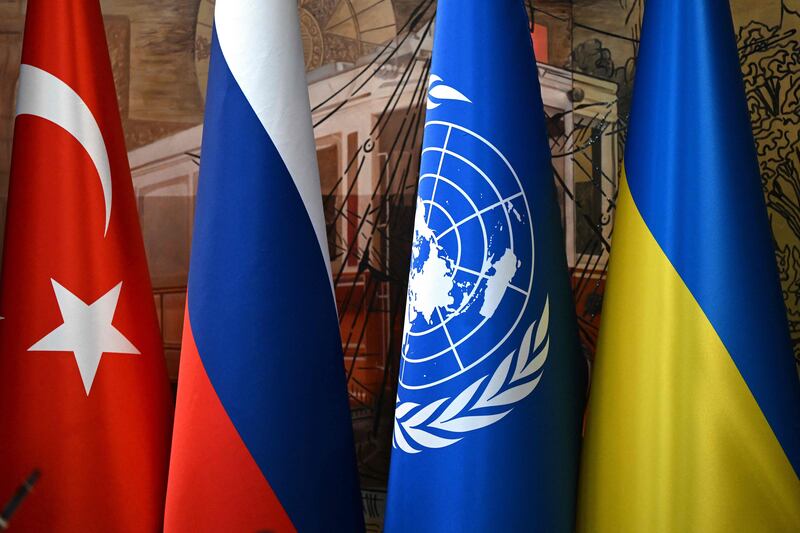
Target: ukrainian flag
x: 694, y: 413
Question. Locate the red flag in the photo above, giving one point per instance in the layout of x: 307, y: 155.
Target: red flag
x: 84, y: 395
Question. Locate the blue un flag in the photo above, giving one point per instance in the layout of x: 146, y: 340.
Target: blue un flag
x: 491, y: 384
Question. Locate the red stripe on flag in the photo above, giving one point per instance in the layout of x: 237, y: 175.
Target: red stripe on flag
x: 214, y: 482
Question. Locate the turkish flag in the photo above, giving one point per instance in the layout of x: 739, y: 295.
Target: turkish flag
x: 84, y: 395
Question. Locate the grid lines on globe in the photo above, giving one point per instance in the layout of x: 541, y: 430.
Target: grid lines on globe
x: 472, y: 261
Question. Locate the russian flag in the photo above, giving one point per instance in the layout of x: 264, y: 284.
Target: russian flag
x: 262, y: 436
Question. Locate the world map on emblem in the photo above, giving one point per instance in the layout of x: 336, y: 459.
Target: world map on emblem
x: 472, y: 261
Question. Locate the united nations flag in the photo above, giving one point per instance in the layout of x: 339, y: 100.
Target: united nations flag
x: 491, y: 385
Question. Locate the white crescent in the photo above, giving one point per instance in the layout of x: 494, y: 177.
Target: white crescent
x: 43, y: 95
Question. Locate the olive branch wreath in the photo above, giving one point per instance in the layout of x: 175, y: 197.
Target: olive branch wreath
x: 507, y: 386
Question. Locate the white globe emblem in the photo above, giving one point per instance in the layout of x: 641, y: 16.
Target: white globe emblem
x: 470, y: 284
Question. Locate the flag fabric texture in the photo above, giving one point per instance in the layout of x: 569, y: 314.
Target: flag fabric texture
x: 491, y: 382
x: 694, y: 413
x: 85, y: 397
x: 263, y: 438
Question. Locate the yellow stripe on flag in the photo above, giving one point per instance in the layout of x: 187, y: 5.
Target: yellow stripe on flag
x: 675, y: 441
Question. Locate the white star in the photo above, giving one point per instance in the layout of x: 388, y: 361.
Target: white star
x: 86, y: 332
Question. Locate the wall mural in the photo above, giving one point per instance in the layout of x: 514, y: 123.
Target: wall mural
x: 770, y: 59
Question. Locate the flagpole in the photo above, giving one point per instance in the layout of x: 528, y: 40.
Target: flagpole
x: 19, y: 496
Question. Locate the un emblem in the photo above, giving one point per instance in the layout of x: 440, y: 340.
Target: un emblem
x: 467, y: 349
